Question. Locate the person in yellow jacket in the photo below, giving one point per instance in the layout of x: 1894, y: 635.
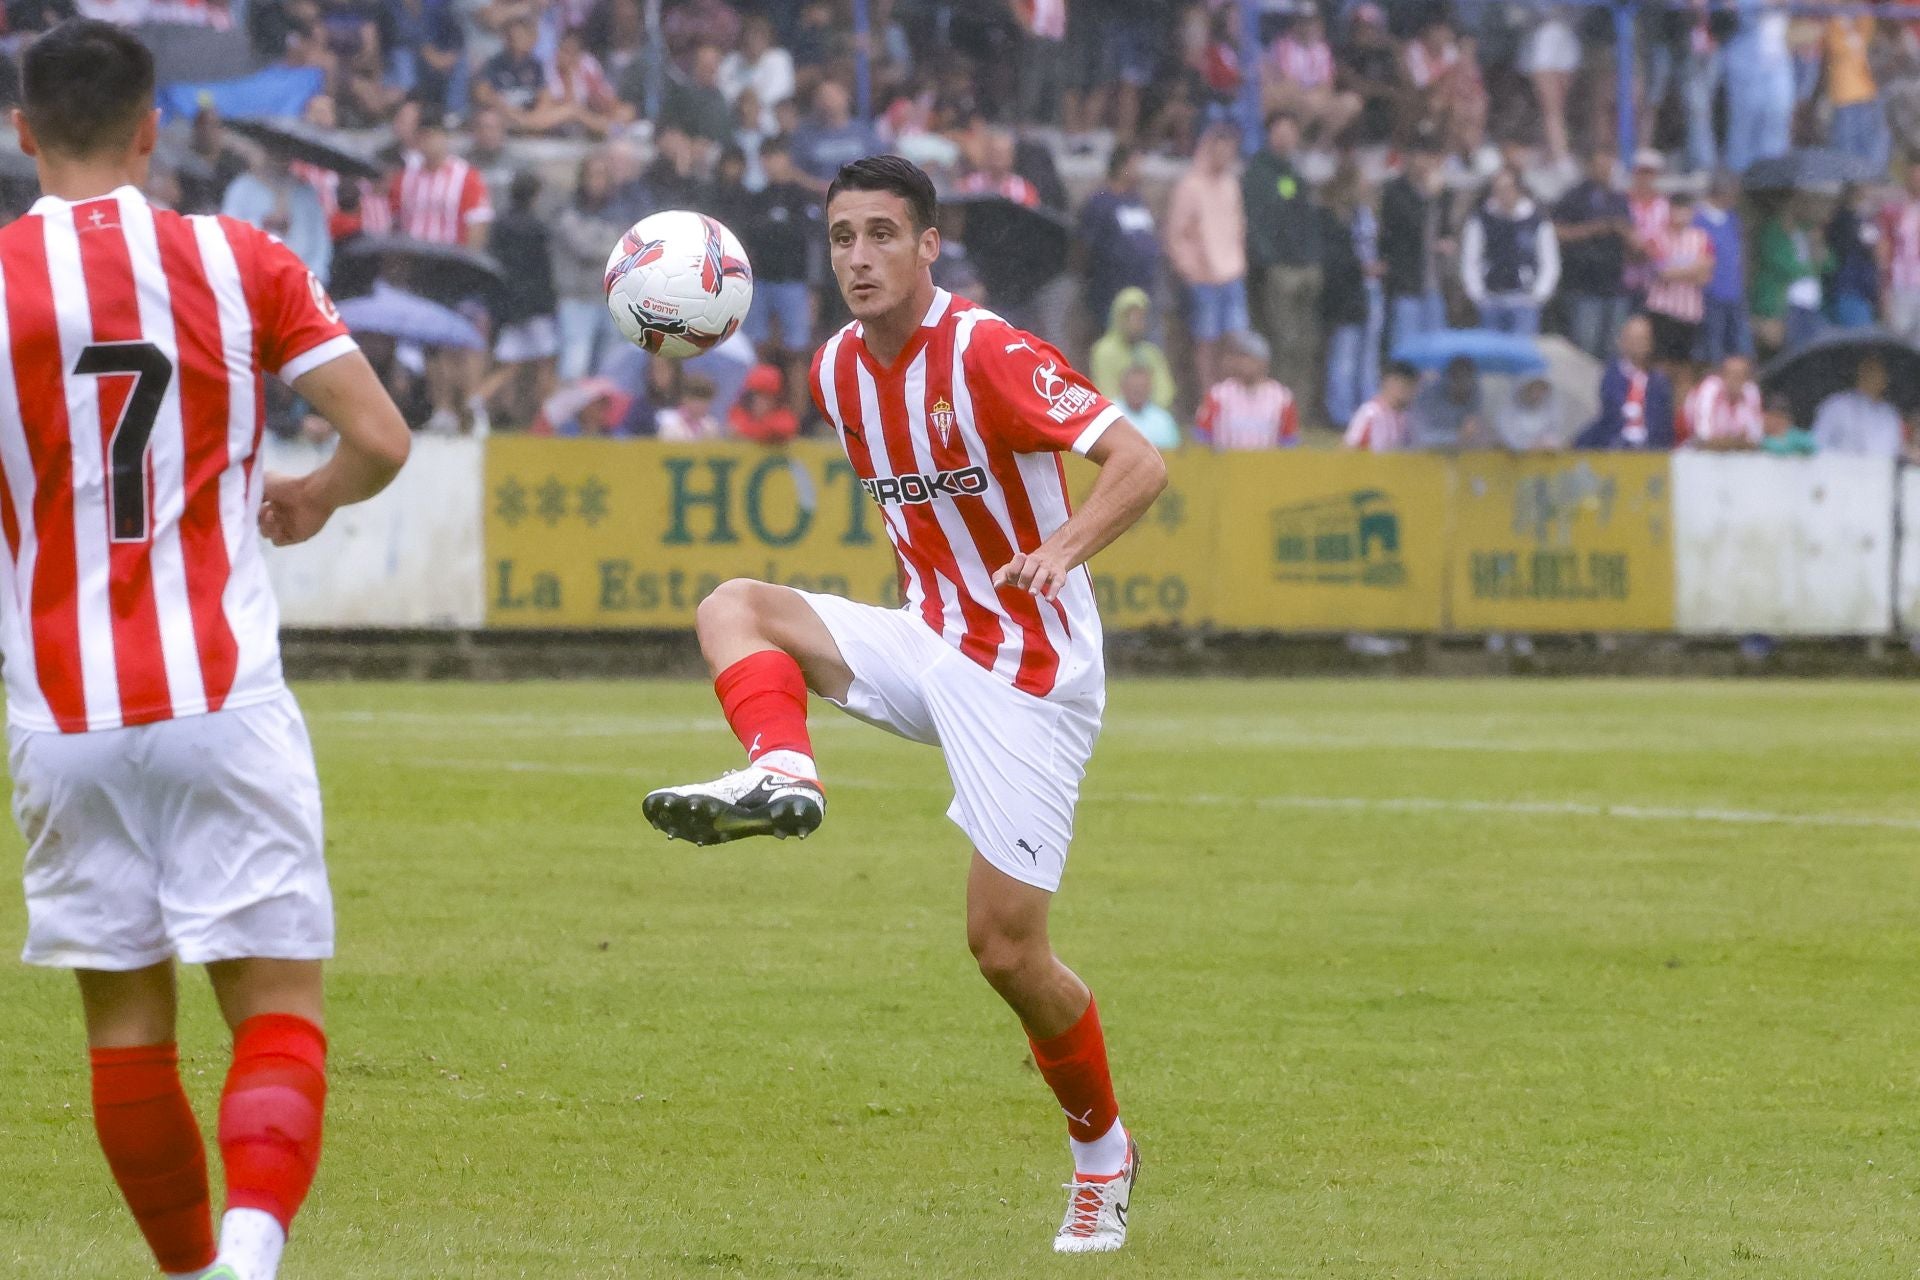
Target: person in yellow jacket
x: 1124, y: 345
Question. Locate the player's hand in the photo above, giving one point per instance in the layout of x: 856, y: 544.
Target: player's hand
x: 1042, y: 571
x: 293, y: 509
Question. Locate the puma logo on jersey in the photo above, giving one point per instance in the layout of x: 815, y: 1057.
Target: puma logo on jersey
x: 1022, y: 345
x: 914, y: 489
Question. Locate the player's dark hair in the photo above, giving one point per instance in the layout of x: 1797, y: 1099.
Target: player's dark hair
x: 85, y: 85
x: 900, y: 176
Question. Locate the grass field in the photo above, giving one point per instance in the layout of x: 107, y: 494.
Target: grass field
x: 1401, y: 979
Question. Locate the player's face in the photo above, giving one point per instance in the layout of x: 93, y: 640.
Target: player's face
x: 877, y: 258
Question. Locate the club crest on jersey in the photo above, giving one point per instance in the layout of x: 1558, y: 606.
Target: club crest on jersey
x: 1064, y: 400
x: 914, y: 489
x: 941, y: 418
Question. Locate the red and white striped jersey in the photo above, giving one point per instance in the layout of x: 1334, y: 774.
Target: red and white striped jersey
x: 1900, y: 224
x: 442, y: 205
x: 1677, y: 250
x: 1377, y: 428
x: 1650, y: 217
x: 1013, y: 187
x: 1310, y: 66
x: 1237, y: 416
x: 1712, y: 414
x: 587, y: 87
x: 375, y: 217
x: 133, y: 588
x: 958, y: 443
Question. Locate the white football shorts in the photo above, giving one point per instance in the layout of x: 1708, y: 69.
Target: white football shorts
x: 1016, y: 760
x: 198, y: 838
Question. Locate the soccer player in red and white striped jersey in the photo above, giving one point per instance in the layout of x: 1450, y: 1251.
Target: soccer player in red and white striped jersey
x: 162, y: 775
x: 1247, y: 409
x: 1380, y: 425
x: 438, y: 196
x: 954, y: 421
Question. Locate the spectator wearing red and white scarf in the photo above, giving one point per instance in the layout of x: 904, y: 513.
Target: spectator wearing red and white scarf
x: 1381, y: 426
x: 1900, y: 260
x: 1249, y: 410
x: 1725, y: 411
x: 1300, y: 80
x: 1682, y: 260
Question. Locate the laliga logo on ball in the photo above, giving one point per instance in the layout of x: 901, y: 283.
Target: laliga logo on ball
x: 678, y: 283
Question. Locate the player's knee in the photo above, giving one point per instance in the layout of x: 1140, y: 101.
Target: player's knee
x: 729, y: 609
x: 1004, y: 960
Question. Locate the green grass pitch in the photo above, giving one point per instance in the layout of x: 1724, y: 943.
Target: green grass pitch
x: 1488, y: 980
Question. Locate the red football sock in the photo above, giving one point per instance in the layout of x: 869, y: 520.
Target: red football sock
x: 270, y: 1113
x: 1075, y: 1066
x: 153, y: 1146
x: 764, y: 696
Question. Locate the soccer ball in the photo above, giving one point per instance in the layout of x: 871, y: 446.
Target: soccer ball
x: 678, y: 283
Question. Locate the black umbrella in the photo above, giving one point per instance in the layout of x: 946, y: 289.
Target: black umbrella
x: 297, y: 140
x: 1014, y: 248
x: 1828, y: 363
x: 1809, y: 168
x: 444, y: 272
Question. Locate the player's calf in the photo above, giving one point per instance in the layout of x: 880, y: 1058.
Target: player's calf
x: 270, y: 1125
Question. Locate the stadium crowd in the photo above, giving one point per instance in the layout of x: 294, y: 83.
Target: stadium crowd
x: 1421, y: 169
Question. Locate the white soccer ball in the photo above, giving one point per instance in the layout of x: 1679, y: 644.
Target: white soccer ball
x: 678, y: 283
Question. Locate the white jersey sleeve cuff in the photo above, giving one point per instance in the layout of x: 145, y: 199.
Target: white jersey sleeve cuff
x: 1095, y: 429
x: 308, y: 361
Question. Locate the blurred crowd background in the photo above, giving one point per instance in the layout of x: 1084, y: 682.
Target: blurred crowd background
x: 1255, y: 223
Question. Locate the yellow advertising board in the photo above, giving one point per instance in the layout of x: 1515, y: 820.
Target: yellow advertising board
x: 1161, y: 571
x: 1330, y: 541
x: 614, y: 533
x: 1562, y: 542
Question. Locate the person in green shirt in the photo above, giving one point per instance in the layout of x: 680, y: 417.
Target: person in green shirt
x: 1124, y: 345
x: 1779, y: 436
x: 1789, y: 259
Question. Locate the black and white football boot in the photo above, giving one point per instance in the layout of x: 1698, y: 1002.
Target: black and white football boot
x: 753, y: 801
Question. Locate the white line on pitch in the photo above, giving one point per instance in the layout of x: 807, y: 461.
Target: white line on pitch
x: 1357, y: 804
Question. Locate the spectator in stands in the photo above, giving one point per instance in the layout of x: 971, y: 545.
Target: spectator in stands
x: 692, y: 23
x: 832, y: 137
x: 1380, y: 425
x: 1206, y: 243
x: 1136, y: 400
x: 1550, y: 56
x: 1115, y: 244
x: 1787, y: 265
x: 1636, y: 397
x: 1249, y: 409
x: 1724, y: 413
x: 513, y: 81
x: 1369, y: 68
x: 592, y: 409
x: 488, y: 153
x: 761, y: 414
x: 1445, y: 71
x: 1859, y: 125
x: 1126, y: 344
x: 1447, y: 412
x: 761, y: 65
x: 995, y: 176
x: 1509, y: 258
x: 1593, y: 224
x: 692, y: 418
x: 274, y: 198
x: 1900, y: 259
x: 1860, y: 422
x: 428, y: 59
x: 522, y: 308
x: 577, y: 99
x: 1300, y: 79
x: 1759, y: 71
x: 584, y: 234
x: 1724, y: 326
x: 674, y: 180
x: 695, y: 104
x: 1676, y: 298
x: 439, y: 196
x: 1648, y: 210
x: 218, y: 159
x: 1851, y: 288
x: 1352, y: 306
x: 1782, y: 437
x: 1284, y: 257
x: 1416, y: 220
x: 782, y: 233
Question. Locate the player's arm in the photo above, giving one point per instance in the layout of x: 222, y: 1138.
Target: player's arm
x: 1132, y: 475
x: 374, y: 442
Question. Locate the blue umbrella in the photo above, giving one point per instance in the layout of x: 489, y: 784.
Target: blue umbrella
x: 1491, y: 352
x: 407, y: 317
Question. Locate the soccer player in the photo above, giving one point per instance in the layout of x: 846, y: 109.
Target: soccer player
x: 161, y: 771
x: 954, y: 421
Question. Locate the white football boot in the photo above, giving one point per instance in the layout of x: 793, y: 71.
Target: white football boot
x: 750, y: 802
x: 1096, y: 1220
